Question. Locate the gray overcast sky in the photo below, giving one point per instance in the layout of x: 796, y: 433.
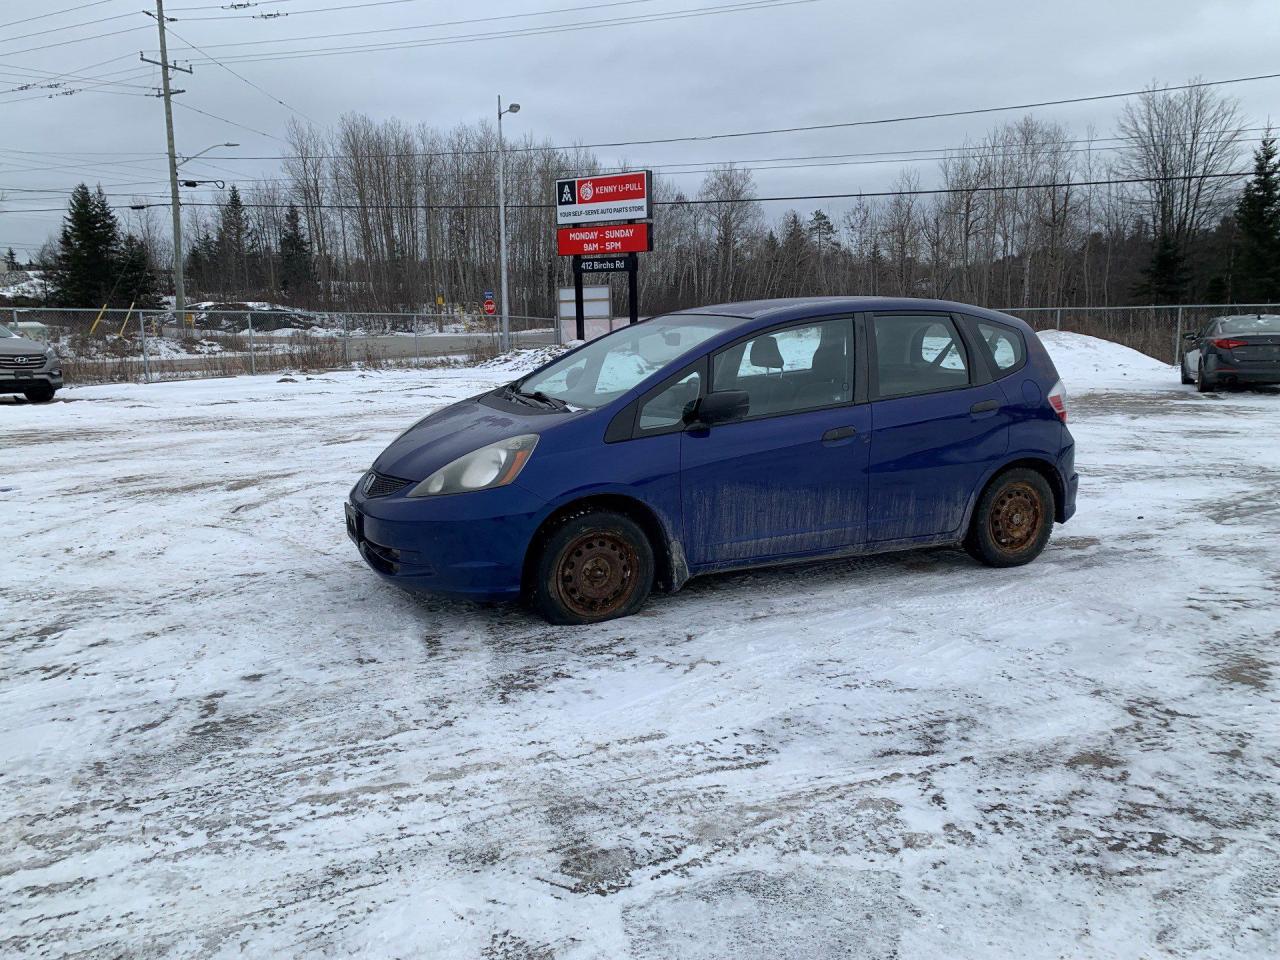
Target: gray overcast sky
x: 808, y: 63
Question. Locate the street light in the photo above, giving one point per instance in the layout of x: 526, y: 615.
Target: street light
x: 505, y: 339
x: 186, y: 160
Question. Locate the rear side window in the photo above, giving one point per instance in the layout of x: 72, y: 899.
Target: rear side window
x: 1004, y: 345
x: 918, y: 354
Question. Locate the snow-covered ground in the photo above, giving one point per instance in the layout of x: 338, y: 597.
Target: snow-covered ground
x: 221, y: 736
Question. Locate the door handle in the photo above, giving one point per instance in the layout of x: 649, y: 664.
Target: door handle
x: 983, y: 406
x: 838, y: 433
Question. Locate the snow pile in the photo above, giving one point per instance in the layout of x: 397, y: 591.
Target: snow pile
x: 29, y: 284
x: 1090, y: 364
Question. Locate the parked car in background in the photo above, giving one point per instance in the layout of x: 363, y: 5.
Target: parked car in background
x: 1239, y: 350
x: 725, y: 437
x: 29, y: 368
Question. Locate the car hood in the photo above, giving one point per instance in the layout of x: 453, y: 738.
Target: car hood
x: 20, y: 346
x: 450, y: 433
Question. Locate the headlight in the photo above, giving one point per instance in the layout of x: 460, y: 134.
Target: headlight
x: 49, y: 354
x: 493, y: 466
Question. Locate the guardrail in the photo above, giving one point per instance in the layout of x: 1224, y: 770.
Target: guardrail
x: 102, y: 346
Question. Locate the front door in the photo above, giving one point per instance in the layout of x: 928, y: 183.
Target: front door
x: 790, y: 478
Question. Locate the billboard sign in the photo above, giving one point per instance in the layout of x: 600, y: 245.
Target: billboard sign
x: 604, y: 241
x: 614, y: 196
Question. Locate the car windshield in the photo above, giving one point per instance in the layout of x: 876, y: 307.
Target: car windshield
x: 605, y: 369
x: 5, y: 333
x: 1256, y: 323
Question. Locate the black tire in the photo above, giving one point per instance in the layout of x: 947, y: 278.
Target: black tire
x: 1203, y: 383
x: 40, y: 393
x: 592, y: 567
x: 1012, y: 521
x: 1182, y: 372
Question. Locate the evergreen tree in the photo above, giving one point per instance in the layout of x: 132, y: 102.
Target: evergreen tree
x: 202, y: 261
x: 232, y: 243
x: 11, y: 260
x: 295, y: 254
x: 137, y: 284
x: 1258, y: 218
x: 88, y: 247
x: 1165, y: 278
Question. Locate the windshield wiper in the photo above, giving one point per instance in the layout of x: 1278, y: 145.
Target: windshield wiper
x: 537, y: 398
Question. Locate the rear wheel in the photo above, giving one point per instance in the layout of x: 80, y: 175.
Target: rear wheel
x: 1013, y: 520
x: 1203, y: 383
x: 595, y: 566
x: 1182, y: 370
x: 40, y: 393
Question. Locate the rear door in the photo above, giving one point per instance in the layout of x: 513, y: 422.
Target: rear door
x: 939, y: 424
x: 789, y: 478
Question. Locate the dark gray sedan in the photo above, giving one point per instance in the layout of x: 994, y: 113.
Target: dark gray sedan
x: 1242, y: 350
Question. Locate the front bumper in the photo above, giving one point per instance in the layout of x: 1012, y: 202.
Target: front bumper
x: 468, y: 545
x: 16, y: 381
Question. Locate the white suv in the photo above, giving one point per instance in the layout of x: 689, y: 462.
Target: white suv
x: 29, y: 368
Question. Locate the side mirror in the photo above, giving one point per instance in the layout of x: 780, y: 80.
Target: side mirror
x: 721, y: 407
x: 1189, y: 337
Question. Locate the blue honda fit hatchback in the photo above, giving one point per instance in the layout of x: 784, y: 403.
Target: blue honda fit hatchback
x: 730, y: 436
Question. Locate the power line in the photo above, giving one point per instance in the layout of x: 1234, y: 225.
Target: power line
x: 214, y: 116
x: 430, y: 26
x: 64, y: 43
x: 742, y: 6
x: 55, y: 13
x: 700, y: 138
x: 70, y: 26
x: 706, y: 201
x: 242, y: 79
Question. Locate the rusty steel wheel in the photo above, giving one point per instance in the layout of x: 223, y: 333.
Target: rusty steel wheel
x: 597, y: 574
x: 595, y: 566
x: 1016, y: 516
x: 1013, y: 519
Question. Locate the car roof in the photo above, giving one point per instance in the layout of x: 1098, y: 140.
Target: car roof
x: 758, y: 313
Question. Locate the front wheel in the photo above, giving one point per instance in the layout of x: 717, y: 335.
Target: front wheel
x: 1013, y: 520
x: 592, y: 567
x: 1187, y: 379
x: 40, y: 393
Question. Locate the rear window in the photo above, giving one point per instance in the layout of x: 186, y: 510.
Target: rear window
x: 918, y: 354
x: 1258, y: 323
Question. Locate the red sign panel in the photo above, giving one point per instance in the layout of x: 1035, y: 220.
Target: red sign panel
x: 490, y: 307
x: 616, y: 238
x: 615, y: 196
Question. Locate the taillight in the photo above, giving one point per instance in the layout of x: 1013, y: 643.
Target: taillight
x: 1058, y: 400
x: 1229, y: 344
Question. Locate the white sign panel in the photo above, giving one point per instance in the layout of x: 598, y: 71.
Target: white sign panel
x: 613, y: 196
x: 596, y: 311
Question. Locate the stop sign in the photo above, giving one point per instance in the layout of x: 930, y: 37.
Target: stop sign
x: 490, y: 307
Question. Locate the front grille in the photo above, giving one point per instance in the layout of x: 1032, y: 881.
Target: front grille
x: 380, y: 485
x: 30, y: 361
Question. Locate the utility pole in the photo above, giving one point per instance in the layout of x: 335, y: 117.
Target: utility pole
x: 179, y: 290
x: 505, y: 340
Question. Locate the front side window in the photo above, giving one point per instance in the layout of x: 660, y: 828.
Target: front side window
x: 5, y: 333
x: 667, y: 408
x: 796, y: 368
x: 606, y: 368
x: 918, y: 354
x: 1005, y: 345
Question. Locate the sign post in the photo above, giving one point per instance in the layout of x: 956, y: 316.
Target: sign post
x: 587, y: 211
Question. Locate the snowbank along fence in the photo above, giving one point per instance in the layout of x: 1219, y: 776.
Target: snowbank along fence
x: 114, y: 345
x: 122, y: 345
x: 1156, y: 331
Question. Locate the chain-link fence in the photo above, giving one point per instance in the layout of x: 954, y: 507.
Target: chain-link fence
x: 115, y: 345
x: 1156, y: 331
